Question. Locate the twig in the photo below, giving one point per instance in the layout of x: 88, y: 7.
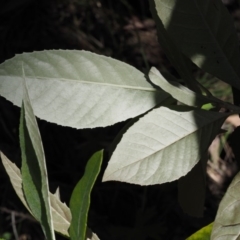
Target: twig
x: 18, y: 214
x: 14, y: 225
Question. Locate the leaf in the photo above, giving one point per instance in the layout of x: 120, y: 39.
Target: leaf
x: 202, y: 234
x: 203, y: 30
x: 184, y: 94
x: 34, y: 172
x: 78, y: 89
x: 176, y: 90
x: 177, y: 59
x: 57, y: 193
x: 60, y: 212
x: 192, y: 188
x: 15, y: 178
x: 91, y: 235
x: 164, y: 145
x: 227, y: 221
x: 61, y: 215
x: 80, y: 199
x: 117, y: 139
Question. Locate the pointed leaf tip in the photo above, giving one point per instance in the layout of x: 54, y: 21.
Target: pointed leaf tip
x: 34, y: 172
x: 80, y: 199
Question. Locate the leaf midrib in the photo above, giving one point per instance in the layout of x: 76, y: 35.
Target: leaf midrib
x: 90, y: 82
x: 156, y: 152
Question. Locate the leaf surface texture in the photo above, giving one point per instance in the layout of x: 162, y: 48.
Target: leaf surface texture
x: 33, y: 169
x: 163, y: 145
x: 78, y: 89
x: 60, y: 212
x: 80, y: 199
x: 227, y: 222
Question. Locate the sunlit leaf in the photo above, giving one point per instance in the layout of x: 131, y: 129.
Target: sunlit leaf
x: 34, y: 172
x: 202, y: 234
x: 15, y: 178
x: 203, y: 30
x: 61, y: 215
x: 176, y: 90
x: 60, y: 212
x: 80, y: 199
x: 184, y: 94
x: 227, y: 222
x: 163, y: 145
x: 77, y: 88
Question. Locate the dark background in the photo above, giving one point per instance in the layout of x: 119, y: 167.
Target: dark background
x: 123, y: 30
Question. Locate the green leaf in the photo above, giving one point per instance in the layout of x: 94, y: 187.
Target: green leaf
x: 227, y: 221
x: 60, y: 212
x: 177, y: 59
x: 202, y: 234
x: 80, y: 199
x: 34, y: 172
x: 164, y: 145
x: 207, y: 106
x: 78, y: 89
x: 203, y: 30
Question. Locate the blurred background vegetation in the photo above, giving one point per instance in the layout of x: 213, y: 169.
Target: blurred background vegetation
x: 124, y: 30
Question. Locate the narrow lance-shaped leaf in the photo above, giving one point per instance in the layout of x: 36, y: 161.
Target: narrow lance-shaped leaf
x: 227, y: 222
x: 34, y: 173
x: 60, y: 211
x: 80, y: 199
x: 163, y: 145
x: 78, y: 89
x: 15, y: 178
x: 203, y: 30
